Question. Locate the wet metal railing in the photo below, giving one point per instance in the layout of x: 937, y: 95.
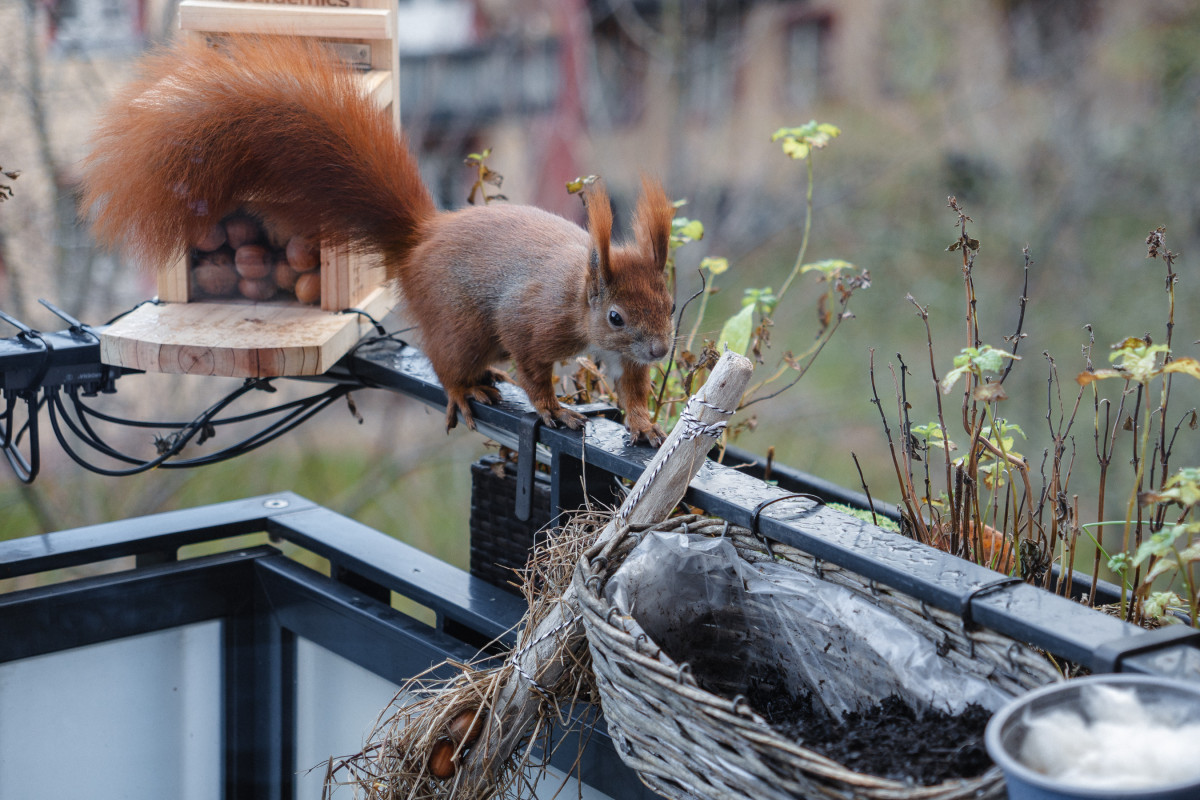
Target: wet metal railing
x: 792, y: 509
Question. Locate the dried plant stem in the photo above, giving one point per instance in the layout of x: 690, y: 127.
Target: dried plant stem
x: 1106, y: 441
x: 906, y: 495
x: 903, y: 473
x: 955, y: 520
x: 703, y: 294
x: 808, y: 356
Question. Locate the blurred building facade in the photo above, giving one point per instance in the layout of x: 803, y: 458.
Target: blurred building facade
x: 1012, y: 99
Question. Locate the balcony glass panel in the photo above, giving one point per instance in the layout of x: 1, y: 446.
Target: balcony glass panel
x: 132, y: 717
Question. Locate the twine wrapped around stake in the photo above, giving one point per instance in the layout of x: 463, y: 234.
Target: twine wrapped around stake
x: 409, y: 756
x: 659, y: 489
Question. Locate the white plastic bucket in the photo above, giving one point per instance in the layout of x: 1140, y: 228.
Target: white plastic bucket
x: 1171, y: 702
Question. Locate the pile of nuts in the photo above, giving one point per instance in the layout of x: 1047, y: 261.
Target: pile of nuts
x: 461, y: 733
x: 242, y: 256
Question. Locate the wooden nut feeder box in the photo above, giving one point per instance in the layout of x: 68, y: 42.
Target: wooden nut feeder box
x: 200, y: 334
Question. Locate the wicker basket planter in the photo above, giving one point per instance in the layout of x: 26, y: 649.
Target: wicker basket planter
x: 687, y: 742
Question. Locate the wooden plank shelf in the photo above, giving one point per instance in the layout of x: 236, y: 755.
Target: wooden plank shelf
x: 237, y: 339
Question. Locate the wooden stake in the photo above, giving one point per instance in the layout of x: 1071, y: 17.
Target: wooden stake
x: 658, y: 490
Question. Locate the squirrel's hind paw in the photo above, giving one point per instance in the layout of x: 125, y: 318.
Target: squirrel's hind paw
x: 484, y: 394
x: 650, y: 434
x: 452, y: 409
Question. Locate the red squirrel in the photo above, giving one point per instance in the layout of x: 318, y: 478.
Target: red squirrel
x: 276, y: 122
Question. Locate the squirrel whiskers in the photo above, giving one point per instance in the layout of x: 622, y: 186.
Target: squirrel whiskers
x: 277, y: 124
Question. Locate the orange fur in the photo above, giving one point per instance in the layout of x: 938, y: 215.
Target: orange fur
x: 273, y: 121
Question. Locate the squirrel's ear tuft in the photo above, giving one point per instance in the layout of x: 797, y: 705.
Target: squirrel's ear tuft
x: 600, y: 222
x: 652, y: 221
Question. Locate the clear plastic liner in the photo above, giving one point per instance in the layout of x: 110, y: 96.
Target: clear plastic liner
x: 744, y: 626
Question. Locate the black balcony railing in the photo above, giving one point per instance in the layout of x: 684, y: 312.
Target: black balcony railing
x: 266, y: 602
x: 265, y: 598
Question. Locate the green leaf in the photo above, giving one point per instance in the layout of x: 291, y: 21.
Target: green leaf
x: 687, y: 230
x: 1137, y: 360
x: 990, y: 359
x: 1158, y: 545
x: 976, y: 361
x: 1190, y: 553
x: 736, y: 332
x: 934, y: 436
x: 886, y: 523
x: 829, y: 267
x: 1164, y: 566
x: 764, y: 299
x: 952, y: 377
x: 800, y: 141
x: 795, y: 149
x: 1183, y: 488
x: 715, y: 265
x: 1159, y: 603
x: 1004, y: 427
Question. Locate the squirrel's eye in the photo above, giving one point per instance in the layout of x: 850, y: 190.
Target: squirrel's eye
x: 672, y: 308
x: 615, y: 319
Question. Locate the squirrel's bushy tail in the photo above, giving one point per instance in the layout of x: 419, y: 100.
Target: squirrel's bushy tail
x: 274, y: 122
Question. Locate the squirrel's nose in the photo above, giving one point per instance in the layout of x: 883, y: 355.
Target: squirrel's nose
x: 658, y: 349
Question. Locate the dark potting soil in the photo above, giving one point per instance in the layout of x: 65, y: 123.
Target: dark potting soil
x: 889, y: 739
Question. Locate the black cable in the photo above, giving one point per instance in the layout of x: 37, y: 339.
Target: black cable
x: 266, y: 435
x: 139, y: 465
x: 185, y: 433
x: 135, y: 423
x: 128, y: 311
x: 298, y: 412
x: 6, y: 436
x: 26, y: 470
x: 379, y: 329
x: 73, y: 427
x: 181, y: 438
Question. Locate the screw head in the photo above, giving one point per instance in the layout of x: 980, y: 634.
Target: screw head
x: 275, y: 502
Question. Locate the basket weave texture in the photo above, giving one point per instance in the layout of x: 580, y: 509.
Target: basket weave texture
x: 500, y: 543
x: 686, y: 742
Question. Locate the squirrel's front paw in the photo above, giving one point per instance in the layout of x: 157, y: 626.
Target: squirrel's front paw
x: 552, y: 417
x: 457, y: 403
x: 648, y: 433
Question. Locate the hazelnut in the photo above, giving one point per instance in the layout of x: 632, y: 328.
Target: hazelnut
x: 214, y: 279
x: 441, y: 758
x: 257, y: 288
x: 253, y: 261
x: 285, y: 276
x: 466, y: 727
x: 276, y: 235
x: 214, y: 238
x: 240, y: 230
x: 222, y: 258
x: 308, y: 287
x: 303, y: 254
